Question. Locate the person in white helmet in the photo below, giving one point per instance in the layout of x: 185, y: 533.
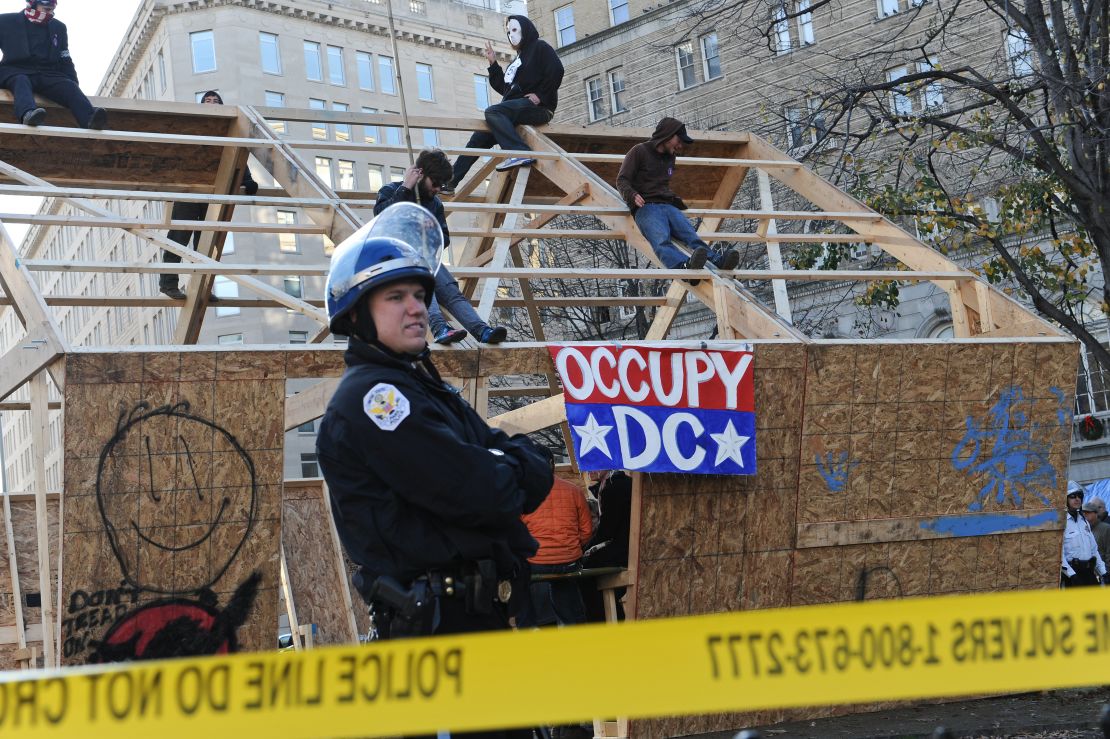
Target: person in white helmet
x: 1081, y: 563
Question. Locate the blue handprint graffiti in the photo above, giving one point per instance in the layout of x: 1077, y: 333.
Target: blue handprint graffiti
x: 1009, y: 451
x: 834, y: 469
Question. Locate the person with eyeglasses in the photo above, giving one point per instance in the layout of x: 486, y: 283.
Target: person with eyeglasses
x: 421, y: 185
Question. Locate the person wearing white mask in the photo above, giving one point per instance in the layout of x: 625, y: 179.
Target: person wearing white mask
x: 529, y: 90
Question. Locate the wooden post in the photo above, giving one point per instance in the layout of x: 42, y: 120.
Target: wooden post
x: 40, y: 426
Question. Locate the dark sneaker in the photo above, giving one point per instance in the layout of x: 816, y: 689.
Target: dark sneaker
x: 494, y: 335
x: 729, y: 260
x: 697, y: 258
x: 514, y: 163
x: 98, y: 120
x: 450, y: 335
x: 172, y: 291
x: 34, y: 117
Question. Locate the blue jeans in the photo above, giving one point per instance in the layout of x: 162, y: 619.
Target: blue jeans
x: 659, y: 223
x: 553, y: 601
x: 450, y: 296
x: 502, y: 119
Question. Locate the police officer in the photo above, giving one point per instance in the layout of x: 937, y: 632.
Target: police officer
x: 1080, y: 563
x: 427, y: 498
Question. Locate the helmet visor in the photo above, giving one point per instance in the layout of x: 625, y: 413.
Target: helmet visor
x: 413, y: 226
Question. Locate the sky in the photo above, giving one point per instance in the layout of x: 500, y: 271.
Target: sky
x: 95, y: 32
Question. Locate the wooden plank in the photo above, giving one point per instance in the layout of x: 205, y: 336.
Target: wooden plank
x: 118, y: 222
x: 911, y: 528
x: 664, y: 317
x: 290, y: 605
x: 25, y: 359
x: 729, y: 186
x: 501, y: 245
x: 769, y: 229
x: 40, y: 428
x: 13, y: 570
x: 533, y: 417
x: 309, y: 404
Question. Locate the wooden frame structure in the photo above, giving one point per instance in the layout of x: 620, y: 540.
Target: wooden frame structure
x: 813, y: 391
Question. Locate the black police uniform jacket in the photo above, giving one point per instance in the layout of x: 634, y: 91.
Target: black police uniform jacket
x: 418, y: 481
x: 29, y: 48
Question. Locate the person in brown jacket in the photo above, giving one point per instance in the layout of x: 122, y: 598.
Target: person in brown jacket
x: 562, y: 526
x: 644, y: 181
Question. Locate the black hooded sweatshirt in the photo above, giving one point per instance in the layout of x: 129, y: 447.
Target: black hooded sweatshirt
x: 540, y: 70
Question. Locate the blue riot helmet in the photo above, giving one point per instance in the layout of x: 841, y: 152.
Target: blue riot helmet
x: 403, y: 242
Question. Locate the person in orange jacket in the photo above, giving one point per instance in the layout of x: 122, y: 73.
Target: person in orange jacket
x: 562, y: 526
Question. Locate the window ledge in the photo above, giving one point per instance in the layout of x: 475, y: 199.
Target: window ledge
x: 702, y: 83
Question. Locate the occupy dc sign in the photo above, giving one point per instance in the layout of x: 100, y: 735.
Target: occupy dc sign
x: 660, y: 408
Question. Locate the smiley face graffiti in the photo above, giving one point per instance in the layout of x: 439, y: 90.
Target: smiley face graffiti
x: 177, y: 495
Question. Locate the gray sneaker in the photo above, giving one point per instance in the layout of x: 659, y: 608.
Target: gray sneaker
x: 34, y: 117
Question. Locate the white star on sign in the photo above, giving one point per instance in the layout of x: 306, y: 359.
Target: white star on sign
x: 729, y: 444
x: 592, y: 436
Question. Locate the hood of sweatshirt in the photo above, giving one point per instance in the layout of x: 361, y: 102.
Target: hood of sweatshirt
x: 669, y: 127
x: 528, y: 32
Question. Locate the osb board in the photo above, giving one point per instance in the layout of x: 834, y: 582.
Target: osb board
x: 882, y: 432
x: 173, y: 470
x: 315, y: 565
x: 25, y: 533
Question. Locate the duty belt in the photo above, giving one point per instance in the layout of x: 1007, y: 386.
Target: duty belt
x: 455, y: 585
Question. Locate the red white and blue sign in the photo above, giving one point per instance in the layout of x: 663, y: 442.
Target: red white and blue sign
x: 660, y: 408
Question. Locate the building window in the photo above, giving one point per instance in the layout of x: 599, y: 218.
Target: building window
x: 313, y: 67
x: 396, y: 174
x: 710, y: 56
x: 916, y: 96
x: 292, y: 286
x: 204, y: 51
x: 1092, y: 387
x: 780, y: 29
x: 1019, y: 51
x: 346, y: 169
x: 481, y: 91
x: 323, y: 170
x: 386, y: 77
x: 684, y: 57
x: 564, y: 25
x: 336, y: 74
x: 616, y: 91
x: 271, y: 56
x: 309, y: 427
x: 319, y: 130
x: 309, y: 467
x: 593, y: 98
x: 287, y: 242
x: 892, y: 7
x: 618, y: 11
x: 431, y: 137
x: 418, y: 7
x: 805, y: 23
x: 223, y: 288
x: 299, y: 337
x: 376, y: 177
x: 342, y: 130
x: 392, y: 135
x: 370, y: 133
x: 229, y: 339
x: 365, y: 65
x: 425, y: 90
x: 276, y: 100
x: 805, y: 126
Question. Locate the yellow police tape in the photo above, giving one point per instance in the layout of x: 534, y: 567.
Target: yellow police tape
x: 848, y: 653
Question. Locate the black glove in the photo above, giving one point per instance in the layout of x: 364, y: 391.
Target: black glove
x: 250, y: 187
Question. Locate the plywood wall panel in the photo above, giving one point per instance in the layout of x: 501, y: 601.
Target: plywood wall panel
x: 173, y: 490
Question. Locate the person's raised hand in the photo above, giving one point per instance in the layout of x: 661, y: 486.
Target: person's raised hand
x: 412, y: 177
x: 491, y: 57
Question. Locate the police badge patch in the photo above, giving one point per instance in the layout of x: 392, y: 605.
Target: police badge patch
x: 386, y: 406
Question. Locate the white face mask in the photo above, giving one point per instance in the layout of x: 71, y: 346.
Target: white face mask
x: 513, y: 31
